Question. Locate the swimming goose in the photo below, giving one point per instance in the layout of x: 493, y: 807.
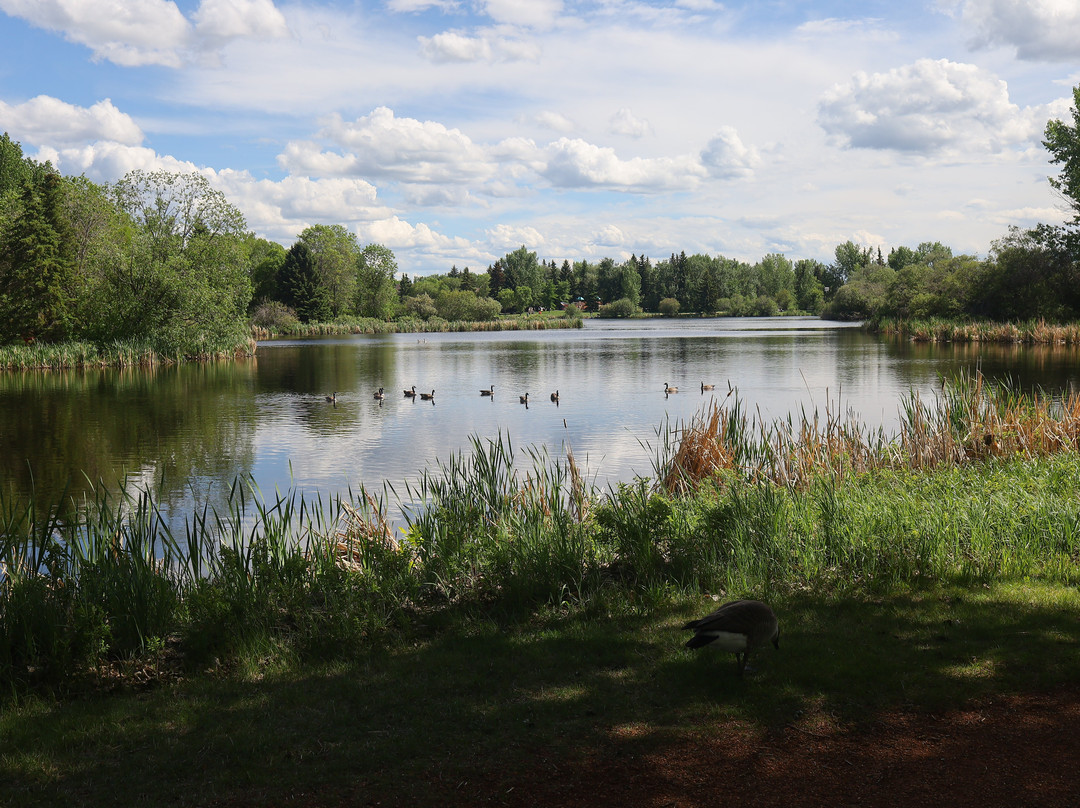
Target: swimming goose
x: 524, y: 399
x: 669, y: 389
x: 489, y: 392
x: 705, y: 387
x: 428, y: 396
x: 738, y: 627
x: 332, y: 399
x: 380, y: 395
x: 411, y: 393
x: 555, y: 396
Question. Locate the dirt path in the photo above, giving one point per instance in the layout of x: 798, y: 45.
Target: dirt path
x: 1010, y: 752
x: 1020, y: 752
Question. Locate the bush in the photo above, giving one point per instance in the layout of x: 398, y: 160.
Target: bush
x: 623, y: 307
x: 765, y: 306
x: 274, y: 316
x: 486, y: 308
x: 669, y: 307
x: 420, y: 306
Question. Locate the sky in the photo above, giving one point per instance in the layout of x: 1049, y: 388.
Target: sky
x: 456, y: 131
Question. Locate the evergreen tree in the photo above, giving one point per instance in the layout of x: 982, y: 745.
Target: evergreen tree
x: 37, y: 278
x: 405, y: 287
x: 300, y: 286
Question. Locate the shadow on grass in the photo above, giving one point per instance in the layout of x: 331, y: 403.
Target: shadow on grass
x: 429, y: 718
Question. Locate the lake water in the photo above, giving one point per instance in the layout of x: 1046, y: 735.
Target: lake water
x: 188, y: 432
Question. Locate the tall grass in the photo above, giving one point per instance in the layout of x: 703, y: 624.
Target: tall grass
x: 736, y: 507
x: 119, y: 353
x: 1030, y: 332
x: 369, y: 325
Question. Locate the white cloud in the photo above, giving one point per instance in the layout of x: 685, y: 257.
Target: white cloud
x: 555, y: 121
x: 928, y: 107
x: 700, y: 5
x: 829, y: 26
x: 1039, y: 30
x: 396, y: 233
x: 539, y: 14
x: 136, y: 33
x: 383, y: 145
x: 504, y: 237
x: 45, y: 120
x: 234, y: 19
x: 128, y: 32
x: 574, y: 163
x: 624, y: 122
x: 412, y: 6
x: 107, y: 161
x: 727, y: 157
x: 451, y: 46
x: 609, y: 236
x: 454, y: 46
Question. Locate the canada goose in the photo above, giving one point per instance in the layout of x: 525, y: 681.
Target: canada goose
x: 705, y: 387
x: 332, y: 399
x: 555, y: 396
x: 738, y: 627
x: 411, y: 393
x: 524, y: 399
x: 428, y: 396
x: 380, y: 394
x: 669, y: 389
x: 489, y: 392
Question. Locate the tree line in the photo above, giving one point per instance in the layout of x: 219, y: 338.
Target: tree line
x: 164, y: 257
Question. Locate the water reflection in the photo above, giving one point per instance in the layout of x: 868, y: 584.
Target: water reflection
x: 305, y: 412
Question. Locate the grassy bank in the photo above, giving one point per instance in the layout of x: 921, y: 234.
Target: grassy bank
x: 368, y: 325
x: 284, y: 645
x: 1031, y: 332
x: 121, y: 354
x: 429, y: 720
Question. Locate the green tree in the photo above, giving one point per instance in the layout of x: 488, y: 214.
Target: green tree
x: 176, y: 273
x: 265, y: 259
x: 301, y: 287
x: 522, y: 269
x: 335, y: 253
x: 376, y: 286
x: 1063, y: 143
x: 809, y: 295
x: 37, y: 270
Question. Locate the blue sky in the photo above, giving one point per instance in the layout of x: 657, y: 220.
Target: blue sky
x: 455, y: 131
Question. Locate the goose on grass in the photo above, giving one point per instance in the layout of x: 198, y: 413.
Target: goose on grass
x: 738, y: 627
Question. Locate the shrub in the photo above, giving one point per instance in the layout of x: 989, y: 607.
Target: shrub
x: 274, y: 316
x: 623, y: 307
x: 669, y: 307
x: 420, y: 306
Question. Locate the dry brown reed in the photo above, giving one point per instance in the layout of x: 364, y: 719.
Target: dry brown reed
x: 1033, y: 332
x: 364, y: 534
x: 971, y: 421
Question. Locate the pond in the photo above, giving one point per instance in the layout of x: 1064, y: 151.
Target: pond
x: 188, y: 432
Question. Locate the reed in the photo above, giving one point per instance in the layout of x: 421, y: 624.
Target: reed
x: 415, y: 326
x: 971, y: 420
x: 1030, y: 332
x: 118, y: 353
